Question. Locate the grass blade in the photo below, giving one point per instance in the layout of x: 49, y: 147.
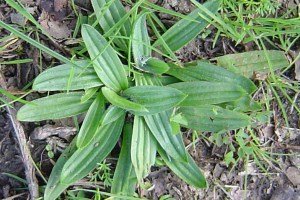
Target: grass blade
x: 35, y: 43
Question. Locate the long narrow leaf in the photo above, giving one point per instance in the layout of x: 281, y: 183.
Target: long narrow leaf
x: 143, y: 148
x: 204, y: 71
x: 213, y: 118
x: 91, y: 122
x: 155, y: 98
x: 105, y: 60
x: 185, y: 30
x: 124, y: 177
x: 140, y: 41
x: 85, y: 160
x: 252, y: 62
x: 54, y: 188
x: 121, y: 102
x: 160, y: 126
x: 55, y: 106
x: 187, y: 171
x: 208, y: 93
x: 56, y: 78
x: 110, y: 16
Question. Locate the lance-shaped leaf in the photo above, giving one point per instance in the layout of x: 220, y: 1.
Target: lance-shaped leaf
x: 244, y: 104
x: 143, y: 148
x: 187, y: 171
x: 141, y: 49
x: 185, y: 30
x: 252, y: 62
x: 155, y: 98
x: 167, y: 80
x: 85, y: 159
x: 121, y: 102
x: 204, y: 71
x: 54, y: 188
x: 213, y: 118
x: 67, y: 77
x: 203, y: 93
x: 106, y: 62
x: 140, y: 41
x: 109, y: 13
x: 160, y: 125
x: 91, y: 122
x: 55, y: 106
x: 124, y: 177
x: 111, y: 115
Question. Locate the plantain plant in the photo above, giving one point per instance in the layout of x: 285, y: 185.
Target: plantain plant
x: 125, y: 92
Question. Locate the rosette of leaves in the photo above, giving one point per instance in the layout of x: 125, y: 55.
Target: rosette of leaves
x: 145, y: 105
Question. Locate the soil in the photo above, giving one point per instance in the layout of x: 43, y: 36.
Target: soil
x: 281, y: 182
x: 10, y: 160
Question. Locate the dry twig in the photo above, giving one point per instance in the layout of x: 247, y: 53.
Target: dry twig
x: 26, y: 156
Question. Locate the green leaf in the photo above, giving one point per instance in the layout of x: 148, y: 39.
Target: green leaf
x: 109, y: 13
x: 160, y: 126
x: 91, y: 122
x: 85, y: 159
x: 56, y: 78
x: 244, y: 104
x: 187, y: 171
x: 203, y: 93
x: 55, y: 106
x: 203, y: 71
x: 252, y: 62
x: 155, y: 98
x: 124, y: 178
x: 167, y: 80
x: 143, y: 148
x: 111, y: 115
x: 186, y: 30
x: 156, y: 66
x: 121, y: 102
x: 88, y: 94
x: 213, y: 118
x: 106, y: 62
x: 140, y: 41
x: 147, y: 79
x: 54, y: 188
x: 142, y: 51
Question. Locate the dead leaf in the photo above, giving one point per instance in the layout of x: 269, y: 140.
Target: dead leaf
x: 253, y: 62
x: 56, y: 29
x: 42, y: 133
x: 17, y: 18
x: 297, y: 64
